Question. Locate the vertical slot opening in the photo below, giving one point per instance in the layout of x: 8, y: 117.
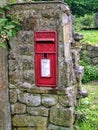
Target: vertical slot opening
x: 45, y: 55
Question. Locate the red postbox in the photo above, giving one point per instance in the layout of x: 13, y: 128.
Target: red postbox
x: 46, y: 73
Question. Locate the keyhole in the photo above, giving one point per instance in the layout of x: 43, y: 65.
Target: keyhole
x: 45, y: 55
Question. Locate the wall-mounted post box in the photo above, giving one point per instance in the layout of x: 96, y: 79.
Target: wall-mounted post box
x: 46, y: 72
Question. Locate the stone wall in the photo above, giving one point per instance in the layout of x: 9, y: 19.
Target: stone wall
x: 43, y: 108
x: 91, y: 51
x: 96, y: 20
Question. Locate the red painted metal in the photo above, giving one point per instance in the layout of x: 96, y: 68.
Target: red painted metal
x: 46, y: 71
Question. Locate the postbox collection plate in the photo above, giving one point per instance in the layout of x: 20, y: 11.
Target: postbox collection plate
x: 45, y: 68
x: 46, y: 63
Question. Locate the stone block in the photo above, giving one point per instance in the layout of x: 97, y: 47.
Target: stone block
x: 25, y: 85
x: 29, y: 121
x: 84, y: 46
x: 28, y: 76
x: 55, y: 127
x: 96, y: 20
x: 12, y: 86
x: 18, y: 108
x: 38, y: 111
x: 27, y: 62
x: 96, y: 47
x: 30, y: 99
x: 96, y: 53
x: 44, y: 90
x: 26, y: 50
x: 66, y: 101
x: 95, y: 60
x: 91, y: 54
x: 90, y: 47
x: 14, y: 77
x: 13, y: 96
x: 61, y: 116
x: 49, y: 100
x: 25, y: 38
x: 13, y: 65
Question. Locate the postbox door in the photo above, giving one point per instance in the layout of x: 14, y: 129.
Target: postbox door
x: 46, y: 58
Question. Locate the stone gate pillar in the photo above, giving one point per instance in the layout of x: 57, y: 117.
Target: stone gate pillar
x: 40, y: 107
x: 5, y: 120
x: 5, y: 123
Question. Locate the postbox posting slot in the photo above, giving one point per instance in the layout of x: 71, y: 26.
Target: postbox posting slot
x: 44, y: 40
x: 46, y: 58
x: 45, y: 55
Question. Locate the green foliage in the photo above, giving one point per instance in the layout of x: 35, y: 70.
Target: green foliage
x: 87, y: 110
x: 82, y: 7
x: 90, y: 71
x: 59, y: 128
x: 9, y: 26
x: 86, y: 21
x: 90, y: 36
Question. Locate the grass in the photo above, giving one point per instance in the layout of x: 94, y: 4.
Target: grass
x: 88, y: 109
x: 90, y: 36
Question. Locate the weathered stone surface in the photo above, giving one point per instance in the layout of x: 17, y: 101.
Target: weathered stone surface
x: 26, y: 120
x: 96, y: 47
x: 79, y: 71
x: 90, y: 47
x: 14, y: 77
x: 95, y: 60
x: 58, y: 91
x: 13, y: 96
x: 24, y: 49
x: 12, y: 86
x: 96, y: 53
x: 61, y: 116
x: 96, y: 20
x: 13, y: 65
x: 91, y: 54
x: 84, y: 47
x: 25, y: 85
x: 53, y: 127
x: 75, y: 56
x: 67, y: 74
x: 28, y: 76
x: 27, y: 62
x: 27, y: 128
x: 14, y: 128
x: 66, y: 101
x: 39, y: 111
x: 30, y: 99
x: 49, y: 100
x: 78, y: 37
x: 18, y: 108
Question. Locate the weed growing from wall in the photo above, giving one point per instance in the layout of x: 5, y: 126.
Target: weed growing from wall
x: 8, y: 26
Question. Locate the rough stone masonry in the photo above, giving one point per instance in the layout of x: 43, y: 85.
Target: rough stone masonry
x: 43, y: 108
